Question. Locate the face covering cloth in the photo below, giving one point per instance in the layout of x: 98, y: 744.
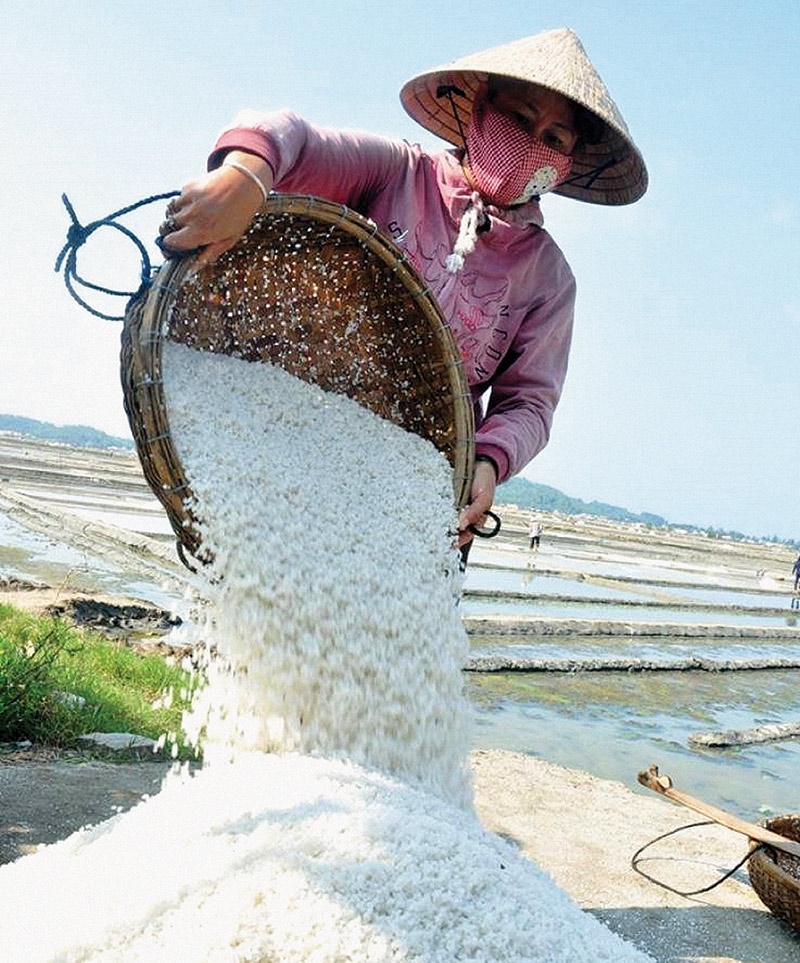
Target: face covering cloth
x: 507, y: 164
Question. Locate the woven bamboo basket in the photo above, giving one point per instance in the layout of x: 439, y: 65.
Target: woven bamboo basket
x: 316, y: 289
x: 774, y: 875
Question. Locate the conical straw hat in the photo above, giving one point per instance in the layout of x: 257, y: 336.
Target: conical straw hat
x: 554, y: 59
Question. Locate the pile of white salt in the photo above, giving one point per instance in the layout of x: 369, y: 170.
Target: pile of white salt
x: 331, y: 821
x: 334, y: 577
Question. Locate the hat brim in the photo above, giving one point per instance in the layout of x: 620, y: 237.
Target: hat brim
x: 623, y: 181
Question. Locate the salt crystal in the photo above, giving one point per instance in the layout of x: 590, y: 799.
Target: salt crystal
x: 334, y: 576
x: 331, y: 820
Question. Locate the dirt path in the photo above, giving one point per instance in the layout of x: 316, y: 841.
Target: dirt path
x: 583, y: 831
x: 47, y: 796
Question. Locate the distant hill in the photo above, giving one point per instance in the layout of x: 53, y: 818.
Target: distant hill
x: 528, y: 494
x: 516, y: 491
x: 82, y: 436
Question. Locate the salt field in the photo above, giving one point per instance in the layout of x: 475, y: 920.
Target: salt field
x: 611, y: 724
x: 521, y: 576
x: 663, y: 651
x: 493, y: 585
x: 80, y: 561
x: 607, y: 609
x: 614, y: 723
x: 333, y: 815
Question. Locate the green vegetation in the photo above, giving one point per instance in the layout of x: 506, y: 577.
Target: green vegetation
x: 82, y: 436
x: 57, y: 683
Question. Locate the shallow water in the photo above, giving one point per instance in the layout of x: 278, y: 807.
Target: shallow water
x: 535, y: 585
x: 616, y: 724
x: 131, y: 512
x: 651, y: 570
x: 25, y: 554
x: 723, y: 596
x: 661, y: 649
x: 557, y: 609
x: 41, y: 559
x: 538, y: 586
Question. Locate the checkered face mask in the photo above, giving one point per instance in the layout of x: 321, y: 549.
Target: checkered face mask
x: 508, y: 165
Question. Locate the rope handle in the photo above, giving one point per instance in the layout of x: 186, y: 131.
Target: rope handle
x: 637, y: 858
x: 78, y: 234
x: 487, y: 532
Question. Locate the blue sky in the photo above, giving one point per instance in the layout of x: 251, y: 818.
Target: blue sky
x: 682, y: 393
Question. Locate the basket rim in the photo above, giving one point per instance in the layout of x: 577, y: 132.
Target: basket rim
x: 152, y: 313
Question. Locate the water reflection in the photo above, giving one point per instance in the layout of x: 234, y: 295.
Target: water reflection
x: 631, y: 646
x: 42, y: 559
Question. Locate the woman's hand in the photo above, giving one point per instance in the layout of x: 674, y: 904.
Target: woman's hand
x: 484, y: 482
x: 214, y: 211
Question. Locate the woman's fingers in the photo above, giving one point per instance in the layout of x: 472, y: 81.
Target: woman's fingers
x: 211, y: 252
x: 481, y: 498
x: 212, y: 212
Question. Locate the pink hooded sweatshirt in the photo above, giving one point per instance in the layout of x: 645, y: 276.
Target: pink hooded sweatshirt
x: 510, y: 308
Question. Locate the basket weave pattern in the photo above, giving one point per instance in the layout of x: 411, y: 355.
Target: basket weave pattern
x: 315, y: 289
x: 775, y: 875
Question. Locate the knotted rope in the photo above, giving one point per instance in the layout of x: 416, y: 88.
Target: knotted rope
x: 78, y: 234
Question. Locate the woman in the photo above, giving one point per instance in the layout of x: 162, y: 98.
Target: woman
x: 524, y: 118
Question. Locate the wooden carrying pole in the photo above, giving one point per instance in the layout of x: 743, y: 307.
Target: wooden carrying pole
x: 651, y: 779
